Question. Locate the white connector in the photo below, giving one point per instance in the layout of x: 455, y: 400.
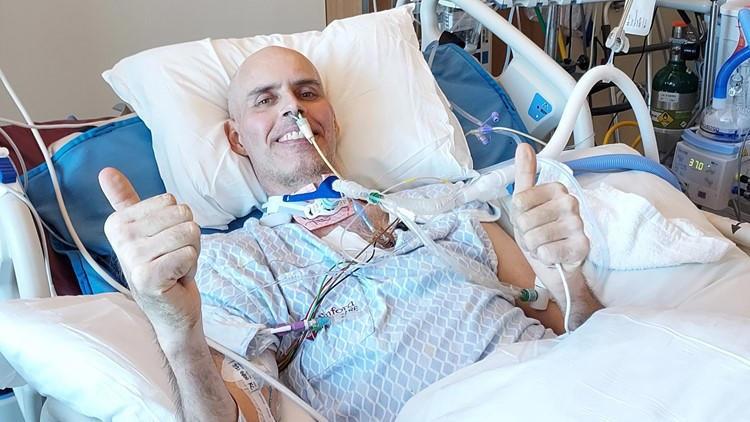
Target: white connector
x: 304, y: 127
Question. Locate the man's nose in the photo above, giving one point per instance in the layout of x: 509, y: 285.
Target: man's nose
x: 292, y: 105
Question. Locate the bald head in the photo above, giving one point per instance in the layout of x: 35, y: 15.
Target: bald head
x: 270, y: 84
x: 257, y: 66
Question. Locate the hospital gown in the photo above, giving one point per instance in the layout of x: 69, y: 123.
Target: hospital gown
x: 400, y: 323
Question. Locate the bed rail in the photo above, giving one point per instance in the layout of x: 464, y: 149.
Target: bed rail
x: 22, y: 268
x: 557, y: 84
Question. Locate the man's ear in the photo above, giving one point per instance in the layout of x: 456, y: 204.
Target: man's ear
x: 233, y: 136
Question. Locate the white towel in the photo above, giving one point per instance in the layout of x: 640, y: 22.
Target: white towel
x: 639, y: 236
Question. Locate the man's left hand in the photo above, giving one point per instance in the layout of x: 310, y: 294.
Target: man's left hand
x: 548, y: 222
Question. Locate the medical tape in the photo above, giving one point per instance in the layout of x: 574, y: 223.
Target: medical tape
x: 233, y: 372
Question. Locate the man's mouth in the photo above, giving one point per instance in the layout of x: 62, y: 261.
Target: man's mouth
x: 292, y: 136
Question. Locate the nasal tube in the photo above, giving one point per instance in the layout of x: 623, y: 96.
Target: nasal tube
x: 304, y: 127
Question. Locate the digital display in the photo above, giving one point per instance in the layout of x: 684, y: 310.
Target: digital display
x: 696, y: 164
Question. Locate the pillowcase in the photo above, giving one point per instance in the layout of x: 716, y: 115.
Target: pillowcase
x: 95, y: 354
x: 395, y: 123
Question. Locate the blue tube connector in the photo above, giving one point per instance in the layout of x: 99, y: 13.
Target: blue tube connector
x: 324, y: 191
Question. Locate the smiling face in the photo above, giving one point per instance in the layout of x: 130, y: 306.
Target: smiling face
x: 271, y: 83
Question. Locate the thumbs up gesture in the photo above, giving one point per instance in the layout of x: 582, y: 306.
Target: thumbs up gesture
x: 157, y: 243
x: 548, y: 222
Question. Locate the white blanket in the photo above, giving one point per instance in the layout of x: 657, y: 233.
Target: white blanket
x: 624, y: 364
x: 639, y: 237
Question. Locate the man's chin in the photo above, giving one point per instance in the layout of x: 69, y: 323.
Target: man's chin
x: 303, y: 174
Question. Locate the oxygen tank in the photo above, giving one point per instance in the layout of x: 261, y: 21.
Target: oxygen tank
x: 675, y: 94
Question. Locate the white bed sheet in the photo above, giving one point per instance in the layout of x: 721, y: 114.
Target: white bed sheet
x: 624, y: 364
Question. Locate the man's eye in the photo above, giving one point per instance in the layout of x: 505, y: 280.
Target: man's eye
x: 261, y: 101
x: 309, y: 95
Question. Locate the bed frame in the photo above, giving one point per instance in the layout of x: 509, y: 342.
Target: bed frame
x: 22, y: 273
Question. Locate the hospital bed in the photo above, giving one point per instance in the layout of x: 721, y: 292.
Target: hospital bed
x: 714, y: 288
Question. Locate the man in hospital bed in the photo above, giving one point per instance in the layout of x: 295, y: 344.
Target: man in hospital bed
x: 401, y: 322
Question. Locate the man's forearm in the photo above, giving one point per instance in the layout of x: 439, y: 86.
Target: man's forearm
x: 582, y: 304
x: 203, y: 395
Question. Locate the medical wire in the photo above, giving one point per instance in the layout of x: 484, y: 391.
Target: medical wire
x: 97, y: 268
x: 55, y: 184
x: 363, y: 216
x: 31, y: 125
x: 612, y: 129
x: 304, y: 127
x: 540, y: 18
x: 25, y: 183
x: 326, y: 286
x: 500, y: 129
x: 568, y: 305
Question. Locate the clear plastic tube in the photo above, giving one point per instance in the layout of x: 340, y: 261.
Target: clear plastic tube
x: 500, y: 129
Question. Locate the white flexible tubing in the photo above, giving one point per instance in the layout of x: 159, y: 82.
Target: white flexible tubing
x: 578, y: 98
x: 522, y: 46
x: 52, y: 126
x: 56, y: 187
x: 568, y: 305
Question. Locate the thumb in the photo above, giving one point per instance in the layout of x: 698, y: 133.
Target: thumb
x: 525, y: 168
x: 117, y: 188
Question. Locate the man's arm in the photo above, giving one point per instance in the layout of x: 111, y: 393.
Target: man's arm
x: 549, y: 231
x: 203, y: 394
x: 157, y: 244
x: 513, y: 268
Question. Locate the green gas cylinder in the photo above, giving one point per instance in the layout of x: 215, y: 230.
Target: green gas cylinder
x: 674, y: 95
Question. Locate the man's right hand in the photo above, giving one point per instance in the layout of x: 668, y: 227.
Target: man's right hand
x: 157, y: 243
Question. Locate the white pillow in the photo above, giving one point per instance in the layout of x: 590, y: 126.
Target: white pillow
x: 395, y: 123
x: 96, y: 356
